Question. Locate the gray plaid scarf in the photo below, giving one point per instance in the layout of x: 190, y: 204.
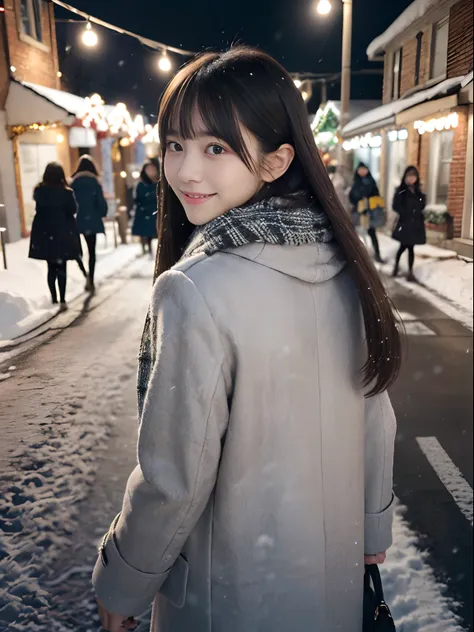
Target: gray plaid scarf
x: 291, y: 221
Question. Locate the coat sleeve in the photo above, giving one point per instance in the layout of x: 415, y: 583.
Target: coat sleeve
x: 184, y: 417
x: 101, y: 201
x: 397, y: 202
x: 380, y: 430
x: 72, y: 204
x: 354, y: 196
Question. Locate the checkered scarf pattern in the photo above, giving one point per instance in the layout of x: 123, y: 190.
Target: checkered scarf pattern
x: 274, y: 221
x: 279, y: 221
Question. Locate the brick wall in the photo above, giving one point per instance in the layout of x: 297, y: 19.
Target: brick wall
x: 35, y: 63
x: 457, y: 175
x: 4, y: 72
x: 460, y: 43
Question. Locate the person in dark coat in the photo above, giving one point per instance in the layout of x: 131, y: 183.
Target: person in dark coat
x: 92, y: 208
x: 364, y: 186
x: 54, y: 234
x: 144, y: 222
x: 409, y: 202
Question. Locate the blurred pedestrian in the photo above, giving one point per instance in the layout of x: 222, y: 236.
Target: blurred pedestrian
x: 364, y: 190
x: 264, y: 456
x: 146, y: 204
x: 92, y: 208
x: 339, y: 184
x: 409, y: 202
x: 54, y: 235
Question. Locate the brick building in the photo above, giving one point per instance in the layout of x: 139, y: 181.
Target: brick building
x: 426, y: 116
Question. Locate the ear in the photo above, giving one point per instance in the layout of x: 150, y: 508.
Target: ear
x: 277, y: 163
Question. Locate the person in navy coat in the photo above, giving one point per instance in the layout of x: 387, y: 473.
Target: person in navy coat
x: 92, y: 208
x: 146, y: 202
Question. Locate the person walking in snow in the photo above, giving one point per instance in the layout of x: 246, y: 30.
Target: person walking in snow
x: 409, y: 202
x: 338, y: 183
x: 54, y: 235
x: 266, y: 437
x: 92, y: 208
x: 146, y: 204
x: 363, y: 189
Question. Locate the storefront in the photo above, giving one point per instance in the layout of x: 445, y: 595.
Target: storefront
x: 366, y: 149
x: 396, y: 147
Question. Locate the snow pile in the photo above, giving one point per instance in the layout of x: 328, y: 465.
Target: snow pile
x: 417, y: 600
x: 25, y: 302
x: 389, y: 110
x: 414, y: 12
x: 441, y: 271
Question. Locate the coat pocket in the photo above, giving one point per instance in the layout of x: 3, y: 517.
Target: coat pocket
x: 174, y: 588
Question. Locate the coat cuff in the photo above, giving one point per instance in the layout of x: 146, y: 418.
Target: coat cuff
x: 378, y: 530
x: 121, y: 588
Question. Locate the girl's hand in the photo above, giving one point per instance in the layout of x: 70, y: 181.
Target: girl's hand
x: 375, y: 559
x: 115, y: 622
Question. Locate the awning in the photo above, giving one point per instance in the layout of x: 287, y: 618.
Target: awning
x: 29, y: 103
x: 385, y: 115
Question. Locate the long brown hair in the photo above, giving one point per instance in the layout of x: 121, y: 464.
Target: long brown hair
x: 245, y: 86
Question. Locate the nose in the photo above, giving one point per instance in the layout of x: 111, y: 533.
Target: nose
x: 191, y: 167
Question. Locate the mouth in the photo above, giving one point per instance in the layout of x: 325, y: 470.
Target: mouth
x: 197, y: 198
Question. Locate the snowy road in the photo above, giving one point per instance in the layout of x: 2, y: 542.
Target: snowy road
x: 68, y: 428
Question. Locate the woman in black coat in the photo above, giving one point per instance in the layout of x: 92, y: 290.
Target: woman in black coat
x: 54, y: 234
x: 409, y: 202
x: 365, y: 187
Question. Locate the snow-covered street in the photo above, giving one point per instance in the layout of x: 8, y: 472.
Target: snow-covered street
x: 68, y: 426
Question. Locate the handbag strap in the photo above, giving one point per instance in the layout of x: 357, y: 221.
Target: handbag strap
x: 373, y: 573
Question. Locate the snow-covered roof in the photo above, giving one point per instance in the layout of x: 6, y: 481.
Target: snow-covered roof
x: 467, y: 79
x: 385, y: 114
x: 69, y: 102
x: 417, y: 10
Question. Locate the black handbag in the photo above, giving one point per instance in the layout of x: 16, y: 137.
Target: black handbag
x: 377, y: 615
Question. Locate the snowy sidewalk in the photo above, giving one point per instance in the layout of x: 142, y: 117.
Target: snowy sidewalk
x: 442, y: 272
x: 25, y: 302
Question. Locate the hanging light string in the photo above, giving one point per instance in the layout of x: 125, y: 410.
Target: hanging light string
x: 154, y: 45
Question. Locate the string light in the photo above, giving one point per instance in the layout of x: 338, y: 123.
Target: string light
x: 164, y: 63
x: 89, y: 37
x: 324, y: 7
x: 440, y: 124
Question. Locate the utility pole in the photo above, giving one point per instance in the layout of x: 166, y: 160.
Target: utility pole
x: 346, y: 74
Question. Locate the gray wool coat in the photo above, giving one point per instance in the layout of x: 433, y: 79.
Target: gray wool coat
x: 264, y: 475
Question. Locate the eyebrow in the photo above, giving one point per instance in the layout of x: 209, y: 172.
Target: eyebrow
x: 201, y: 134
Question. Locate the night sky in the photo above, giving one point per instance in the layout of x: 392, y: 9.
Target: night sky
x: 121, y: 69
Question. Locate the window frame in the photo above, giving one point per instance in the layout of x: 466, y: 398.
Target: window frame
x: 396, y: 70
x: 419, y: 45
x: 35, y: 16
x: 435, y: 165
x: 434, y: 39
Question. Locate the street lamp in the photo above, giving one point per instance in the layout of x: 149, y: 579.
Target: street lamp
x: 324, y: 7
x: 89, y: 37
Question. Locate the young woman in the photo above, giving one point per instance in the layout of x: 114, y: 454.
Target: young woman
x: 144, y: 222
x: 266, y: 433
x: 54, y: 236
x: 92, y: 208
x: 364, y: 187
x: 409, y: 202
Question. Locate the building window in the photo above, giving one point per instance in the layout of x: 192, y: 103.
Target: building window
x: 439, y: 51
x: 396, y: 73
x: 419, y: 44
x: 31, y: 19
x: 441, y: 156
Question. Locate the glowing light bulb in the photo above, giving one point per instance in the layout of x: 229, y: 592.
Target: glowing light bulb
x: 324, y: 7
x: 298, y: 83
x: 164, y: 63
x: 123, y: 174
x: 89, y: 37
x: 60, y: 138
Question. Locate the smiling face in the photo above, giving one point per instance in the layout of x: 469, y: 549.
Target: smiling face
x: 207, y: 176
